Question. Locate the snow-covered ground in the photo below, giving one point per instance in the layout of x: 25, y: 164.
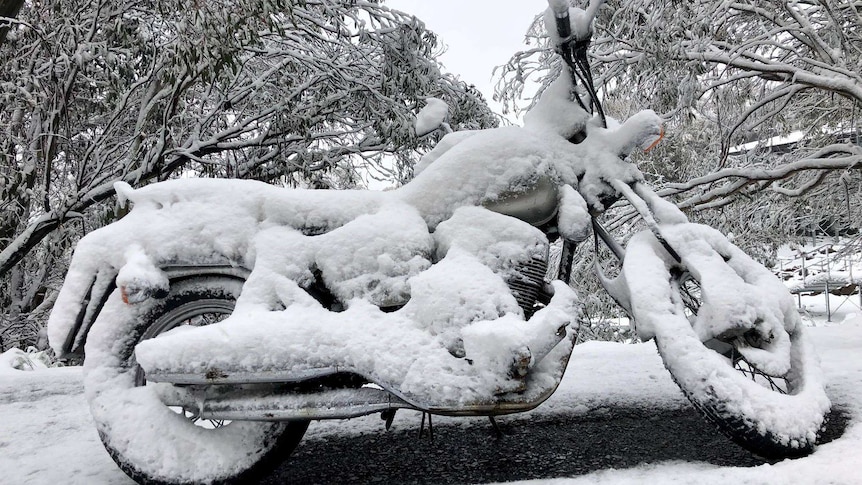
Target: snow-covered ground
x: 47, y: 435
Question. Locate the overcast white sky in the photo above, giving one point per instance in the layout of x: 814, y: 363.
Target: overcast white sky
x: 480, y: 34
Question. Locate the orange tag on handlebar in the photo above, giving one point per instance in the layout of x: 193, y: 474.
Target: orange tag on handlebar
x: 653, y: 144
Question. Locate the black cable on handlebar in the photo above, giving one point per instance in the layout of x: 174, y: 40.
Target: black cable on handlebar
x: 580, y: 52
x: 564, y: 30
x: 574, y: 54
x: 575, y: 77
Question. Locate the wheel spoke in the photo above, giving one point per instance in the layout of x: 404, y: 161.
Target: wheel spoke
x: 689, y: 290
x: 747, y: 369
x: 197, y: 316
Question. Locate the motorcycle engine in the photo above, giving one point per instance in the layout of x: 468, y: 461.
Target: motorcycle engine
x: 529, y: 286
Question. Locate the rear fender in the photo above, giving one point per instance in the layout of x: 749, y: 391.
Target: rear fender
x: 105, y: 283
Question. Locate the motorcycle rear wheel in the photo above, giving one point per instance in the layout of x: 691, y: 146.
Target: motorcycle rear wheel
x: 150, y: 442
x: 772, y: 416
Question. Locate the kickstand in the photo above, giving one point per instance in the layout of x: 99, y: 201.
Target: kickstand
x: 497, y: 432
x: 388, y: 416
x: 430, y: 426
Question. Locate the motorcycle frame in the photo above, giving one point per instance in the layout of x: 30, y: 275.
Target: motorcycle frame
x: 287, y: 396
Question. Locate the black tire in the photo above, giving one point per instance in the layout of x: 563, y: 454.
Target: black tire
x: 150, y: 442
x: 773, y: 414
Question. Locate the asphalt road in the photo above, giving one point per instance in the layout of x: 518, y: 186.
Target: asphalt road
x: 549, y: 447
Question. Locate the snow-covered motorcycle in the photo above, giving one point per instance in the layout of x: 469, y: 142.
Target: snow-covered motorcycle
x: 254, y: 309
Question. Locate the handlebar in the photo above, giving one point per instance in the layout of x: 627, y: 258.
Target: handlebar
x: 561, y: 14
x: 582, y: 23
x: 564, y: 26
x: 573, y: 48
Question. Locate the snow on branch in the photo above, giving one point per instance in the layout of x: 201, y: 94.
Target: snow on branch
x: 286, y: 92
x: 733, y: 180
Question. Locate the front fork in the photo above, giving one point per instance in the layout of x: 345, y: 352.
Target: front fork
x: 654, y: 211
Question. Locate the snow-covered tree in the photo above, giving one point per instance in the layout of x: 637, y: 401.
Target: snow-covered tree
x: 290, y: 92
x: 725, y: 74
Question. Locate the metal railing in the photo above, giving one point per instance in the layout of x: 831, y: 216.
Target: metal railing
x: 831, y: 269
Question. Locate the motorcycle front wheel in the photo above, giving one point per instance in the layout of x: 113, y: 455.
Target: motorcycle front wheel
x: 155, y: 444
x: 773, y: 414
